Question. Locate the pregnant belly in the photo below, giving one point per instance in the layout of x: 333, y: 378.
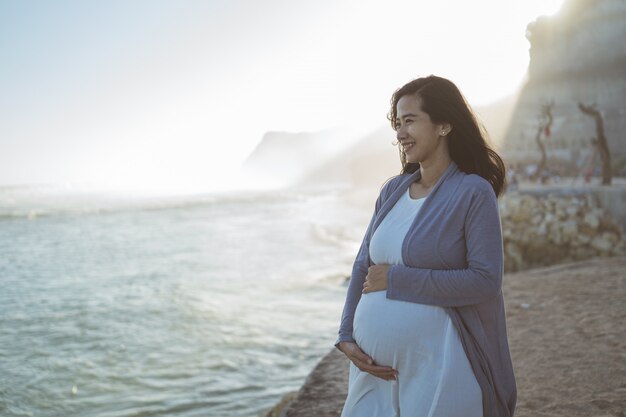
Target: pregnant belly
x: 389, y: 329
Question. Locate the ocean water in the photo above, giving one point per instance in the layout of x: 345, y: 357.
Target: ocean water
x: 212, y: 305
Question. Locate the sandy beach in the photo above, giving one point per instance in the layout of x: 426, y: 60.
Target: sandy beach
x: 567, y: 340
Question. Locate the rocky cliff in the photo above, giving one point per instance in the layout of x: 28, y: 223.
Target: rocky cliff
x: 579, y: 54
x: 283, y: 158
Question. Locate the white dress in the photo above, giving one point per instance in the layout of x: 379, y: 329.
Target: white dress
x: 435, y: 378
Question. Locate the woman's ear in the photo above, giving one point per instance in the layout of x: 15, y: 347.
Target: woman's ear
x: 445, y: 129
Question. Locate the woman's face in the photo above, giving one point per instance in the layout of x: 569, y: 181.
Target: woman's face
x: 417, y: 135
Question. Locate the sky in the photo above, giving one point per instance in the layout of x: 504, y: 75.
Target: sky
x: 172, y: 96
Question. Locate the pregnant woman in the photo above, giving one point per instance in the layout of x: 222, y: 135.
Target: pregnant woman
x: 424, y: 321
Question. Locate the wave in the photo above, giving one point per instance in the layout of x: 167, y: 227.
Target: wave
x: 334, y: 235
x: 33, y: 202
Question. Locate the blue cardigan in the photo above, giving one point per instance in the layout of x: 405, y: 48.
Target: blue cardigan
x: 453, y: 256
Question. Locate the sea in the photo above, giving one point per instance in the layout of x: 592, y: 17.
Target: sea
x: 199, y: 305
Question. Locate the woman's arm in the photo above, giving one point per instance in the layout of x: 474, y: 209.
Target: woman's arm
x: 480, y: 281
x: 357, y: 278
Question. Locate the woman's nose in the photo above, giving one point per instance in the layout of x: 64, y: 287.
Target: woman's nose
x: 400, y: 133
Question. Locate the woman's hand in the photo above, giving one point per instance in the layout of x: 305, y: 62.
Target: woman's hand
x: 376, y: 279
x: 365, y: 363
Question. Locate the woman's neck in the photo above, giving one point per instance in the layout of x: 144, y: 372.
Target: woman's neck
x: 431, y: 171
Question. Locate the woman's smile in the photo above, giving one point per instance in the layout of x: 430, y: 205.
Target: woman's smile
x: 407, y: 145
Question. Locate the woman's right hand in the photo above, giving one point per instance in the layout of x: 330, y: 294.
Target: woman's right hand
x: 365, y: 363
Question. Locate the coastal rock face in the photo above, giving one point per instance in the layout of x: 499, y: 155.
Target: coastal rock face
x: 539, y: 231
x: 371, y: 161
x: 579, y: 54
x: 283, y: 158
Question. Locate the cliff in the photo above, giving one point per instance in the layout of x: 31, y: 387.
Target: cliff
x: 579, y: 54
x: 283, y: 158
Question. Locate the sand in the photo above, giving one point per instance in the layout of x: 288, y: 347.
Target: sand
x: 567, y: 335
x: 568, y: 338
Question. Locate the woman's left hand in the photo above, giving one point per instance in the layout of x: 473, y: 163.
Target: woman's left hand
x: 376, y: 279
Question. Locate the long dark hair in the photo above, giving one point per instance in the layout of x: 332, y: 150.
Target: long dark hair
x: 467, y: 141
